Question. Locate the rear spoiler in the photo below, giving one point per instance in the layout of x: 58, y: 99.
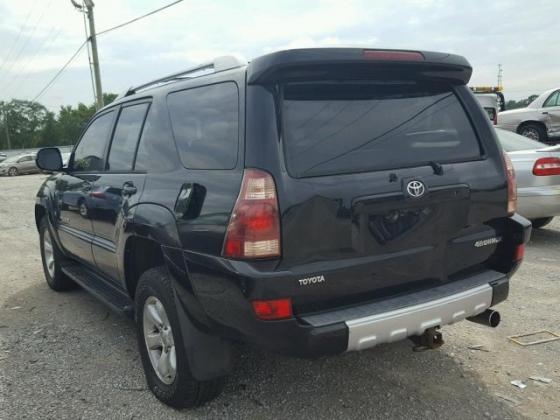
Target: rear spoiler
x: 357, y: 63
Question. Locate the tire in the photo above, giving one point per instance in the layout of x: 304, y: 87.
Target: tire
x: 83, y: 208
x: 533, y: 131
x: 177, y: 389
x: 13, y: 171
x: 541, y: 222
x: 52, y: 257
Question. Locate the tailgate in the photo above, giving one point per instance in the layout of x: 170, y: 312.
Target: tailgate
x: 387, y: 184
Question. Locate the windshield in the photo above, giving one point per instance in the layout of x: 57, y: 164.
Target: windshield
x: 512, y: 142
x: 349, y: 127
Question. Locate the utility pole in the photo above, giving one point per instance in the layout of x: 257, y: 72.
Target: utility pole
x: 499, y: 76
x: 7, y: 129
x: 94, y: 57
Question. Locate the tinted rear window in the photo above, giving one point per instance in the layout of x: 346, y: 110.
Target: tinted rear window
x: 205, y: 125
x: 337, y: 128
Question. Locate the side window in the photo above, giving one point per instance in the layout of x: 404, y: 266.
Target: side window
x: 125, y: 139
x: 553, y: 100
x: 205, y: 124
x: 89, y: 155
x: 156, y: 151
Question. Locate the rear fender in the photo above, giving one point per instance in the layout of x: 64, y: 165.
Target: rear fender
x: 209, y: 356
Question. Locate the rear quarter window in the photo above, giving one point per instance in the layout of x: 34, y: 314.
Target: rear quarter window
x: 338, y: 128
x: 205, y: 123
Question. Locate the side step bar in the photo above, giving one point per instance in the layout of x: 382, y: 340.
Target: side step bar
x: 100, y: 288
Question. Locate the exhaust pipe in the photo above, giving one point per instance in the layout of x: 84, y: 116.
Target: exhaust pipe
x: 489, y: 317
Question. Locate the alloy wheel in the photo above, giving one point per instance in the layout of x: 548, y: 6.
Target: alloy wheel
x: 531, y: 133
x: 159, y: 341
x: 49, y: 252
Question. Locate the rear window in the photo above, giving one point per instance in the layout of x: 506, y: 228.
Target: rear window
x: 338, y: 128
x: 205, y: 123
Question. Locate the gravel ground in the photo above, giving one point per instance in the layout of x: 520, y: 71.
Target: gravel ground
x: 64, y: 355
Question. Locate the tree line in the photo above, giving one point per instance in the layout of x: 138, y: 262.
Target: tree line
x: 522, y: 103
x: 28, y: 124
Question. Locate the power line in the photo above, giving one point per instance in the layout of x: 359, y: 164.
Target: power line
x: 24, y: 46
x: 138, y: 18
x: 17, y: 37
x: 60, y: 71
x: 98, y: 33
x: 22, y: 74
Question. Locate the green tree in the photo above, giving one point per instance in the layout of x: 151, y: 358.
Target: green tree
x: 522, y: 103
x: 71, y: 122
x: 25, y: 120
x: 29, y: 124
x: 49, y: 133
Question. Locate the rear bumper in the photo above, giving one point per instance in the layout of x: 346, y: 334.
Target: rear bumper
x: 414, y: 320
x: 402, y: 317
x: 535, y: 202
x: 357, y: 327
x: 223, y: 290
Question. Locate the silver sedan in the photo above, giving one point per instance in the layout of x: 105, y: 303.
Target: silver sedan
x: 540, y: 120
x: 537, y: 171
x: 18, y: 165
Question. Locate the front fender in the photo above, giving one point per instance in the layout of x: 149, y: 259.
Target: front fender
x: 46, y: 205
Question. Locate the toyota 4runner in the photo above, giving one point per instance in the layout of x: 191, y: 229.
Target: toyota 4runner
x: 311, y: 202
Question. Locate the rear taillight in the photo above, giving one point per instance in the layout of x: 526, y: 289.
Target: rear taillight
x: 547, y: 166
x: 495, y: 119
x: 519, y: 253
x: 385, y: 55
x: 512, y: 186
x: 254, y: 226
x: 273, y: 309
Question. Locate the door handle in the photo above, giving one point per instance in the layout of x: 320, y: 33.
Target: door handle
x: 128, y: 189
x: 545, y: 112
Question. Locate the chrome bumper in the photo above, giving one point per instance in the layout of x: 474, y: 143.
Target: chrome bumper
x: 414, y: 320
x: 396, y: 318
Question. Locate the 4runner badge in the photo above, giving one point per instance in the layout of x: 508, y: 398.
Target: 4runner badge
x: 311, y: 280
x: 489, y: 241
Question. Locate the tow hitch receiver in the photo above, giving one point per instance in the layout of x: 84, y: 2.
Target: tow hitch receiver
x: 431, y: 339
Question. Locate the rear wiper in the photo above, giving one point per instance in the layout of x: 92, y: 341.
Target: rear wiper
x: 438, y: 169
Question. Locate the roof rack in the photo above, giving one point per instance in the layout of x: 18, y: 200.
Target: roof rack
x: 218, y: 64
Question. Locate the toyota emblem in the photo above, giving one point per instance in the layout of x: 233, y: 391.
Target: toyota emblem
x: 415, y: 189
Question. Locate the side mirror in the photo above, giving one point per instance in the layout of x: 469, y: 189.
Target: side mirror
x: 49, y: 159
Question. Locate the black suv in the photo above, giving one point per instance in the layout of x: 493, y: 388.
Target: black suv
x: 311, y: 202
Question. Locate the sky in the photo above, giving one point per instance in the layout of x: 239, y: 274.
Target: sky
x: 38, y: 36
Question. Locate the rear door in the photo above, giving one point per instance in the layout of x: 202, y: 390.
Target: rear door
x: 117, y: 188
x: 386, y: 183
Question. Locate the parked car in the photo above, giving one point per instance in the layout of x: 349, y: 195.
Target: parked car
x: 539, y: 121
x: 311, y: 202
x: 19, y: 165
x: 3, y: 156
x: 537, y: 170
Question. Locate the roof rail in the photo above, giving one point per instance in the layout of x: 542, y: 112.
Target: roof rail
x: 218, y: 64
